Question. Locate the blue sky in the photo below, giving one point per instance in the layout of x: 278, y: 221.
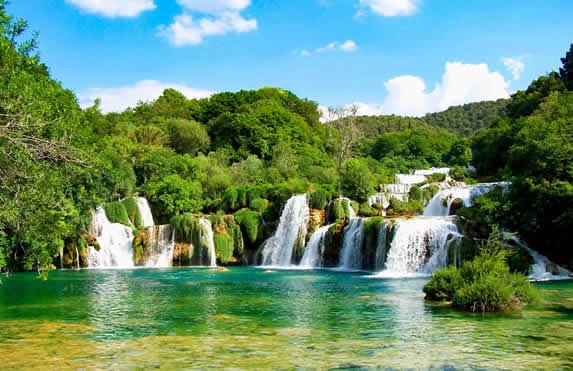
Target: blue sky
x: 388, y: 56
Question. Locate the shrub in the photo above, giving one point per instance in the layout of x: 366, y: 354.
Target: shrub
x: 443, y: 284
x: 484, y: 283
x: 366, y: 210
x: 258, y: 204
x: 319, y: 199
x: 336, y: 211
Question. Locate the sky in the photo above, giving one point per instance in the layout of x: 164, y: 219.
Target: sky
x: 405, y: 57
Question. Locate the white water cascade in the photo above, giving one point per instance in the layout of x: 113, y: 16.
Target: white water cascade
x: 278, y: 249
x: 314, y: 249
x: 161, y: 243
x: 145, y: 212
x: 206, y: 237
x: 420, y: 246
x: 114, y: 240
x: 351, y: 252
x: 441, y: 203
x: 538, y: 270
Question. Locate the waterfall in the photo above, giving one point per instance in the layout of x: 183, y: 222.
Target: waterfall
x: 206, y: 237
x: 62, y: 257
x: 77, y: 258
x: 278, y: 249
x: 145, y: 212
x: 380, y: 257
x: 420, y: 246
x: 161, y: 243
x: 114, y: 240
x: 538, y: 270
x: 441, y: 203
x: 351, y: 252
x: 314, y: 249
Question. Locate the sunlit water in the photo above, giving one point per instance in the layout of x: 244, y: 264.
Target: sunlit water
x: 249, y: 318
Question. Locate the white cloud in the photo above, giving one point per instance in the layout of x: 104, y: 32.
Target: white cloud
x: 202, y: 18
x: 461, y: 83
x: 514, y: 65
x: 214, y: 6
x: 115, y: 8
x: 389, y: 8
x: 347, y: 46
x: 119, y: 98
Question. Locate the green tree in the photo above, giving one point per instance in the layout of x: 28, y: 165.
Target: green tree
x: 566, y: 72
x: 356, y: 180
x: 187, y: 136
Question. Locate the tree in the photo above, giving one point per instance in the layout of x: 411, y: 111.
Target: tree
x: 344, y: 120
x: 566, y: 72
x: 356, y: 180
x: 187, y: 136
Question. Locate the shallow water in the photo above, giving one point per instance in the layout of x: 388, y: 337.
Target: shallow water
x: 181, y: 318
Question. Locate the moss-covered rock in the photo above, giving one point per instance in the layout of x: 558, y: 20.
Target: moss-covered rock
x: 116, y: 213
x: 250, y: 222
x: 333, y: 244
x: 130, y: 204
x: 456, y: 205
x: 141, y: 251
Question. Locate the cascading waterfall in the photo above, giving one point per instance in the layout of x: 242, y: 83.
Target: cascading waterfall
x: 351, y: 252
x: 77, y: 259
x: 114, y: 240
x: 538, y: 270
x: 206, y: 236
x: 161, y: 243
x: 145, y: 212
x: 278, y: 249
x: 314, y: 249
x: 62, y: 257
x: 380, y: 257
x: 420, y: 246
x: 441, y: 203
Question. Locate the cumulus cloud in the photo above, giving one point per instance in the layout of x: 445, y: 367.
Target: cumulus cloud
x: 461, y: 83
x: 118, y: 99
x: 124, y: 8
x: 389, y: 8
x: 347, y: 46
x: 514, y: 65
x: 201, y: 19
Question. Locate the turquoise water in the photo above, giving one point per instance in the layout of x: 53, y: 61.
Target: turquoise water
x: 181, y: 318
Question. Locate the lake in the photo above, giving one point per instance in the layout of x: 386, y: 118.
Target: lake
x: 247, y: 317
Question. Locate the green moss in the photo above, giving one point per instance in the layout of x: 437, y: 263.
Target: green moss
x: 336, y: 211
x: 258, y: 204
x: 250, y: 222
x: 230, y: 198
x: 116, y: 213
x: 132, y: 210
x: 227, y: 237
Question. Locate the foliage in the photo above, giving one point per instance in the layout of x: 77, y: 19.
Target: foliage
x: 466, y: 119
x: 250, y: 221
x: 174, y: 195
x: 483, y: 284
x: 356, y: 179
x: 319, y: 199
x: 187, y: 136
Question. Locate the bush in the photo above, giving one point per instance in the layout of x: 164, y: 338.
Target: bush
x: 484, y: 283
x: 489, y: 294
x: 319, y: 199
x: 366, y: 210
x: 443, y: 284
x: 258, y: 204
x: 337, y: 210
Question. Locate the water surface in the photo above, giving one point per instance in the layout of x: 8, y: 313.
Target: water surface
x: 181, y: 318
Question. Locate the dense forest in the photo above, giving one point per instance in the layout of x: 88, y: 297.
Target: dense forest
x: 241, y: 155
